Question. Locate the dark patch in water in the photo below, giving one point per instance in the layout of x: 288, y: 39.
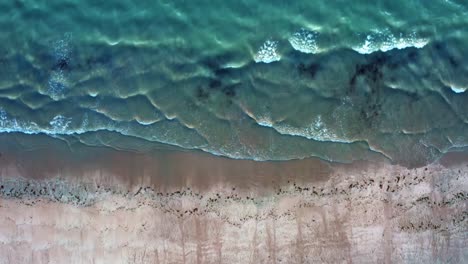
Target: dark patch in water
x: 412, y: 55
x: 214, y: 84
x: 372, y: 74
x: 372, y: 71
x: 19, y: 4
x: 453, y: 62
x: 221, y: 72
x: 211, y: 63
x: 310, y: 70
x: 370, y: 111
x: 62, y: 64
x: 393, y: 65
x: 214, y: 64
x: 221, y: 75
x: 201, y: 93
x: 441, y: 48
x: 380, y: 59
x: 230, y: 91
x: 3, y: 61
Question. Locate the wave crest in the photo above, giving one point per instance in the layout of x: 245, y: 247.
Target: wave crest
x: 268, y: 52
x: 385, y: 40
x: 304, y: 41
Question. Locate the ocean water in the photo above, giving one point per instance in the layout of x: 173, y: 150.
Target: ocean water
x: 260, y: 80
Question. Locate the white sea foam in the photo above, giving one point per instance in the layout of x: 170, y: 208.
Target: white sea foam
x: 268, y: 52
x: 10, y: 124
x: 385, y: 40
x: 317, y: 130
x: 151, y: 122
x: 61, y: 50
x: 304, y: 41
x: 458, y: 89
x: 60, y: 124
x: 3, y: 116
x: 57, y: 84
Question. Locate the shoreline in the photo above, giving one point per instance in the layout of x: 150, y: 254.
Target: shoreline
x: 120, y: 207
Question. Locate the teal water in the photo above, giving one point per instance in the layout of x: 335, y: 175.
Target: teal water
x: 262, y: 80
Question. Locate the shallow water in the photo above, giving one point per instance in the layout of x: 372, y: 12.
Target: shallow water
x: 261, y: 80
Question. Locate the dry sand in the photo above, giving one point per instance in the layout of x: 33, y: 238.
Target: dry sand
x: 175, y: 207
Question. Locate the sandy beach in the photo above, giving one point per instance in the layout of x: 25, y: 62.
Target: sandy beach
x: 184, y: 207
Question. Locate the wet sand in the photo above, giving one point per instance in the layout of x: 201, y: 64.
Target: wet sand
x: 98, y: 205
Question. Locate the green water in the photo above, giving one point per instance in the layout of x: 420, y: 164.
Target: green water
x: 263, y: 80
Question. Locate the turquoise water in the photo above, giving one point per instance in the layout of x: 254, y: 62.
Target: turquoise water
x: 262, y: 80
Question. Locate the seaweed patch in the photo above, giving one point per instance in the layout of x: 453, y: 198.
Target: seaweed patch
x: 310, y: 70
x: 372, y: 72
x: 216, y: 86
x: 445, y: 53
x: 229, y: 91
x: 62, y: 64
x: 201, y: 93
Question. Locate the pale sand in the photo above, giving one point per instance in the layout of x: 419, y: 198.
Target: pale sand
x: 172, y: 207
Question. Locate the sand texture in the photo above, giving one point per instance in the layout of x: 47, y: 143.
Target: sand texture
x: 293, y: 212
